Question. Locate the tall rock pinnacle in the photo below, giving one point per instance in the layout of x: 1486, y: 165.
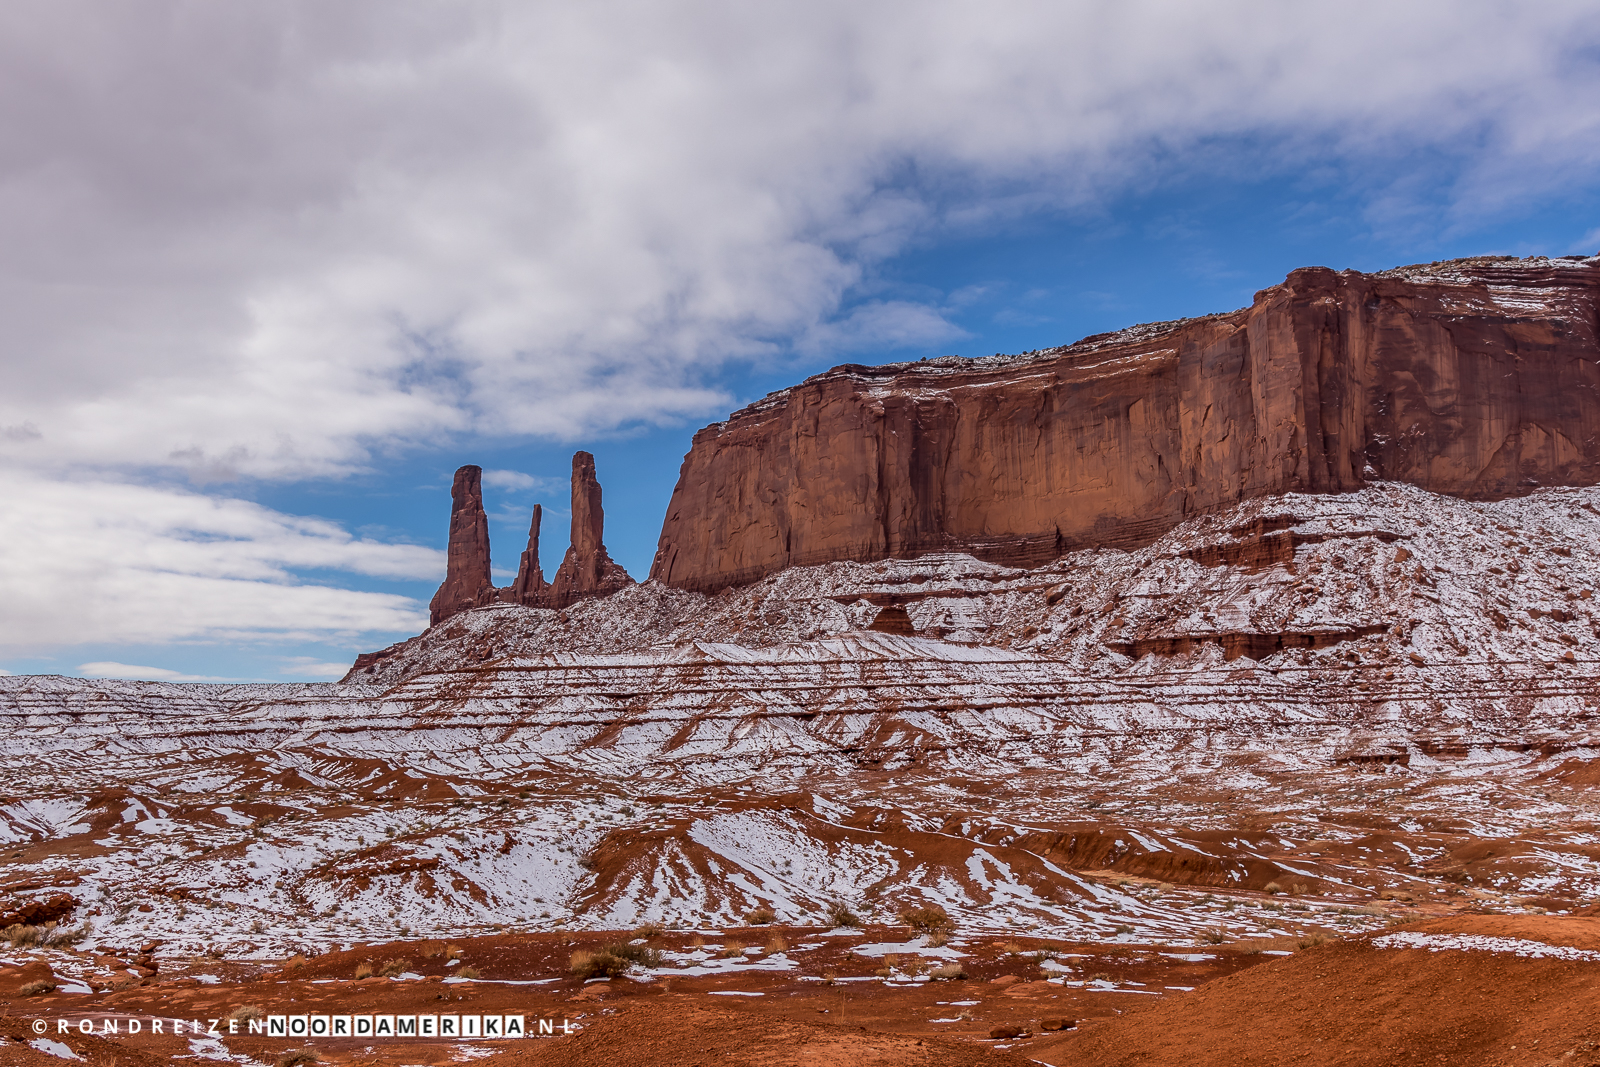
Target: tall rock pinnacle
x: 529, y: 589
x: 587, y: 570
x: 467, y: 583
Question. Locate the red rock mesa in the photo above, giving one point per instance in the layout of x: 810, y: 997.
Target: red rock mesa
x: 1477, y: 378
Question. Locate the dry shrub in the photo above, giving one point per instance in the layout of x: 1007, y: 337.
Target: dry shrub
x: 454, y: 952
x: 1214, y: 936
x: 245, y: 1012
x: 839, y: 914
x: 468, y: 971
x: 731, y: 951
x: 932, y: 919
x: 43, y: 985
x: 1272, y: 889
x: 395, y: 967
x: 1299, y: 889
x: 430, y: 949
x: 1011, y: 948
x: 914, y: 966
x: 363, y: 970
x: 1313, y: 940
x: 696, y: 943
x: 946, y: 972
x: 649, y: 930
x: 776, y: 944
x: 297, y: 1056
x: 613, y: 961
x: 1164, y: 887
x: 830, y: 977
x: 22, y: 936
x: 294, y: 963
x: 759, y: 916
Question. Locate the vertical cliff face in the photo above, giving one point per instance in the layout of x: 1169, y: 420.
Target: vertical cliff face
x: 467, y: 583
x: 587, y: 569
x: 1476, y: 378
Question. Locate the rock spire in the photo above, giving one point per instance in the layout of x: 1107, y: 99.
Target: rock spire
x: 587, y: 569
x: 467, y: 583
x: 529, y: 589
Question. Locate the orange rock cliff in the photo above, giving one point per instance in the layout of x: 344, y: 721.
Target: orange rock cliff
x: 1477, y: 378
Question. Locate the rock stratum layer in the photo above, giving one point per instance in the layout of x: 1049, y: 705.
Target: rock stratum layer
x: 1476, y: 378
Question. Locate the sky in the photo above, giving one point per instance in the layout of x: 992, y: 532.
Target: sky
x: 270, y: 271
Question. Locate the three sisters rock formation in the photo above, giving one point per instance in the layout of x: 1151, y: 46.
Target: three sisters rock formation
x: 587, y: 569
x: 1477, y: 378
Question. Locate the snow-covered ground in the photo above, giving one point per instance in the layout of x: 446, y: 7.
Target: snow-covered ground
x: 1341, y: 695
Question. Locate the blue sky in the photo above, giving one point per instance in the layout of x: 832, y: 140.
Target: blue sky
x: 248, y: 348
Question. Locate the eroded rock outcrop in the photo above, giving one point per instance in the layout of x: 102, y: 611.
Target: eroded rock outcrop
x: 467, y: 583
x: 1477, y: 378
x: 587, y: 569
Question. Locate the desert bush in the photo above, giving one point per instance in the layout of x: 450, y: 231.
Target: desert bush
x: 297, y: 1056
x: 454, y: 952
x: 430, y: 949
x: 1312, y: 940
x: 613, y: 961
x: 363, y: 970
x: 395, y: 967
x: 1272, y: 888
x: 948, y: 972
x: 42, y: 985
x: 1164, y: 887
x: 1214, y: 936
x: 245, y: 1012
x: 830, y: 977
x: 759, y: 916
x: 648, y: 930
x: 839, y: 914
x: 937, y: 939
x: 22, y: 936
x: 927, y: 920
x: 1011, y: 948
x: 697, y: 943
x: 1122, y: 928
x: 776, y: 944
x: 469, y: 972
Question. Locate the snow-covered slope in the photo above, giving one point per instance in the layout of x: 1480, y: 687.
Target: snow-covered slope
x: 1209, y: 710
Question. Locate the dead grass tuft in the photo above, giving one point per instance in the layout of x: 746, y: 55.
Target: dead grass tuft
x: 245, y: 1012
x: 468, y: 971
x: 947, y: 972
x: 649, y: 930
x: 395, y: 967
x: 839, y: 914
x: 43, y: 985
x: 296, y: 1056
x: 363, y: 970
x: 776, y: 944
x: 759, y: 916
x: 1272, y: 889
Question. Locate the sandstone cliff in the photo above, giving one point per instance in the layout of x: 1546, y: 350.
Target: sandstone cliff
x: 529, y: 588
x: 1476, y: 378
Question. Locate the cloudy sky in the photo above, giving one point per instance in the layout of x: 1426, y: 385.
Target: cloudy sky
x: 270, y: 271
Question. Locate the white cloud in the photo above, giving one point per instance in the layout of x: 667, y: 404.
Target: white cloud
x: 108, y: 669
x: 4, y: 673
x: 261, y: 238
x: 518, y: 481
x: 308, y: 667
x: 91, y: 560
